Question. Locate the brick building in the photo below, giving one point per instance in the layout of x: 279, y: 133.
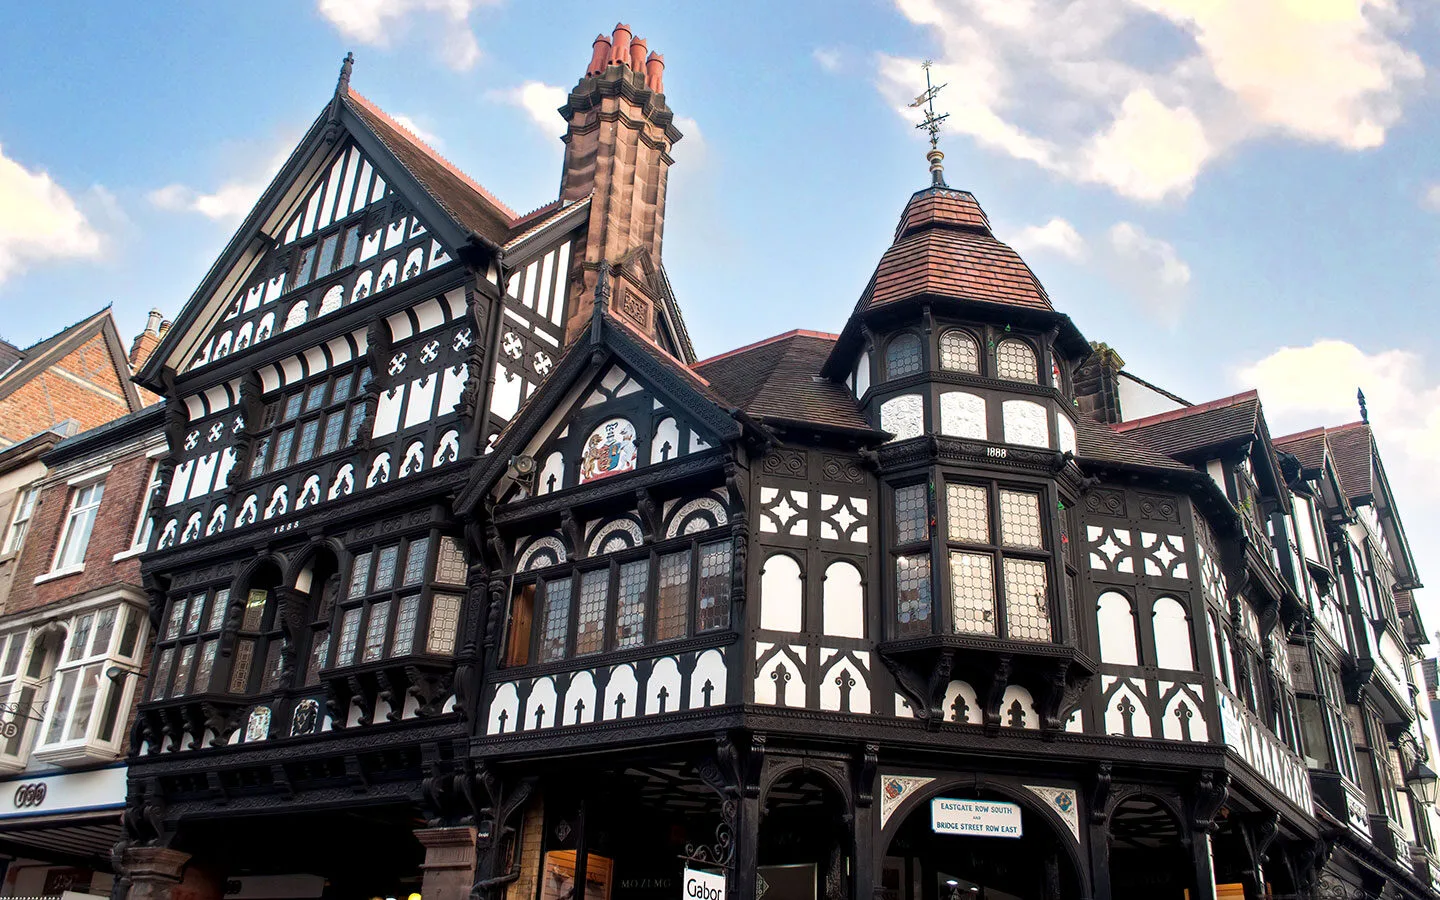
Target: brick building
x: 73, y: 637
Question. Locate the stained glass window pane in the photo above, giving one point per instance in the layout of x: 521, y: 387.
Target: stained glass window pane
x: 292, y: 407
x: 1027, y: 606
x: 177, y: 616
x: 902, y: 357
x: 444, y: 620
x: 911, y: 514
x: 385, y: 568
x: 182, y: 671
x: 712, y: 588
x: 314, y: 397
x: 967, y: 508
x: 959, y: 352
x: 630, y: 607
x: 206, y: 667
x: 349, y: 636
x: 555, y: 628
x: 912, y: 589
x: 360, y: 575
x: 415, y: 561
x: 283, y: 442
x: 972, y: 592
x: 217, y: 610
x: 1020, y: 519
x: 254, y: 610
x: 274, y: 662
x: 590, y: 633
x: 192, y: 619
x: 334, y: 427
x: 309, y: 432
x: 162, y: 672
x: 375, y: 631
x: 450, y: 562
x: 673, y: 599
x: 240, y: 671
x: 319, y: 647
x: 340, y: 390
x: 405, y: 626
x: 1015, y: 361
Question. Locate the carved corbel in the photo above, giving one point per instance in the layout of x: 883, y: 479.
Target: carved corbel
x: 224, y: 721
x: 1211, y: 790
x: 574, y: 535
x: 1056, y: 696
x: 999, y: 681
x: 735, y: 491
x: 650, y: 524
x: 755, y: 765
x: 389, y: 692
x: 430, y: 690
x: 865, y: 775
x: 1101, y: 794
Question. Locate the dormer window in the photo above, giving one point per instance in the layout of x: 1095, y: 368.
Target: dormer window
x: 903, y: 357
x: 959, y: 352
x: 1015, y: 361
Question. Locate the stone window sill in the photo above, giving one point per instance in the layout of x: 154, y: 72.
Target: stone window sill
x: 59, y: 573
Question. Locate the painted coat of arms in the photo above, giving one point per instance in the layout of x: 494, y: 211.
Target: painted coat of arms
x: 609, y: 450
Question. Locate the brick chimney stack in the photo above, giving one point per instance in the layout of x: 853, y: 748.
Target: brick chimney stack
x: 146, y: 341
x: 1097, y: 384
x: 617, y: 151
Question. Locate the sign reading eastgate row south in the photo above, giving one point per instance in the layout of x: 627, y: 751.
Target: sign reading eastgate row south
x: 982, y: 818
x: 703, y: 885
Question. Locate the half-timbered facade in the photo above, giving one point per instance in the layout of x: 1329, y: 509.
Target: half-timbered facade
x: 463, y: 559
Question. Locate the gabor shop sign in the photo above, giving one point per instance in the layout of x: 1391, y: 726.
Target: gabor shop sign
x: 703, y: 885
x: 981, y: 818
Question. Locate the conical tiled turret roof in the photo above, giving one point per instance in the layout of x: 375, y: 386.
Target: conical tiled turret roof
x: 944, y: 247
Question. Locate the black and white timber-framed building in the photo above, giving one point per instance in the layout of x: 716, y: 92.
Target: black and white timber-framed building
x: 465, y: 564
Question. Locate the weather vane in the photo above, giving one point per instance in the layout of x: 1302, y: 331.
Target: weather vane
x: 931, y: 124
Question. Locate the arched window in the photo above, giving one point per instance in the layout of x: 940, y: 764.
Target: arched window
x: 959, y: 352
x: 782, y: 594
x: 844, y: 601
x: 1115, y: 621
x: 902, y: 357
x: 1172, y: 635
x: 258, y: 638
x: 1015, y: 361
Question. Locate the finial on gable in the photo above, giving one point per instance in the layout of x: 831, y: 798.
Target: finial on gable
x: 1364, y: 413
x: 346, y: 66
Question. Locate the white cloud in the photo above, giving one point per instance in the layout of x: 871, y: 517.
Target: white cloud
x: 40, y: 221
x: 1150, y: 269
x: 1055, y: 236
x: 1141, y: 95
x: 229, y: 202
x: 377, y: 22
x: 414, y: 128
x: 1431, y: 198
x: 540, y: 102
x: 826, y: 58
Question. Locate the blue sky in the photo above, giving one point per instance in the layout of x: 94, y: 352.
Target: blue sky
x: 1232, y: 194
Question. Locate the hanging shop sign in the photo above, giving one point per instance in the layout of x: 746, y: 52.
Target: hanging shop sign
x: 703, y: 885
x: 980, y: 818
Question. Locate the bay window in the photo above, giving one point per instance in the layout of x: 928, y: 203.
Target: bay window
x: 91, y: 688
x: 638, y: 597
x: 188, y: 642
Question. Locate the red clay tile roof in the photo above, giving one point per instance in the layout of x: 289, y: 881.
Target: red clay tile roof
x: 1193, y: 428
x: 1098, y: 442
x: 1352, y: 449
x: 465, y: 200
x: 777, y: 379
x: 943, y: 246
x: 1307, y: 446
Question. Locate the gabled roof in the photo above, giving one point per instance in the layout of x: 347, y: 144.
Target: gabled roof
x: 1199, y: 427
x: 1309, y: 447
x: 1352, y: 447
x: 605, y: 337
x: 1097, y: 442
x: 778, y: 380
x: 41, y: 355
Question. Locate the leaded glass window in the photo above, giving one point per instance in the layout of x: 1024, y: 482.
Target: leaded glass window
x: 385, y: 568
x: 375, y: 631
x: 912, y: 592
x: 415, y: 561
x: 206, y: 667
x: 972, y: 592
x: 254, y: 609
x: 1015, y: 361
x: 673, y: 597
x: 308, y: 422
x: 405, y: 625
x: 192, y: 619
x: 1027, y: 605
x: 450, y: 562
x: 240, y: 669
x: 177, y: 616
x: 712, y: 604
x: 444, y: 620
x: 903, y: 357
x: 349, y: 636
x: 555, y: 620
x: 968, y: 509
x: 590, y: 635
x: 376, y: 622
x: 360, y: 575
x: 630, y: 605
x: 959, y: 352
x: 911, y: 514
x: 1020, y: 519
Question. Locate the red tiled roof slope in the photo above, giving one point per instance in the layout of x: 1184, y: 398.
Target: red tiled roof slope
x: 778, y: 379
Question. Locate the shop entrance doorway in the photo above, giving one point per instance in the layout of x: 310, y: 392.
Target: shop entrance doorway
x: 923, y: 863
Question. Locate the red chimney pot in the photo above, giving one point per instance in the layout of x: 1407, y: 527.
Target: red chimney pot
x: 599, y: 55
x: 655, y: 73
x: 637, y: 54
x: 620, y: 52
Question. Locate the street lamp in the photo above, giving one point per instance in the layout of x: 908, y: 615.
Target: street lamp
x: 1423, y: 782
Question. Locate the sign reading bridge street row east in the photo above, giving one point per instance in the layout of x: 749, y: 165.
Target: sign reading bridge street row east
x: 981, y: 818
x: 703, y: 885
